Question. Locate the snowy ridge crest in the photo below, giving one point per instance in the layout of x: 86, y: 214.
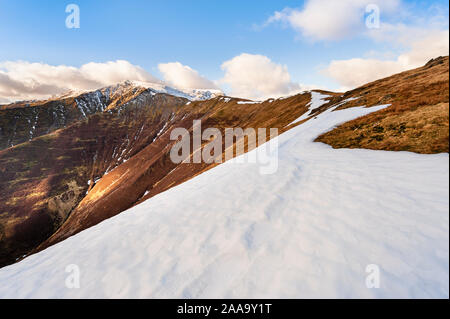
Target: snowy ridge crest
x: 125, y: 86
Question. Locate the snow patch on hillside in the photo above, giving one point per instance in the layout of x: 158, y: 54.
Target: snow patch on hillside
x: 310, y: 230
x: 317, y: 100
x: 190, y: 94
x: 248, y: 102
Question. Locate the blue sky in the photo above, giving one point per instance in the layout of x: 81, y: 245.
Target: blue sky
x: 201, y: 34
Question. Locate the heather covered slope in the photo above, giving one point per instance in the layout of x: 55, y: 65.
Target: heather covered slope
x: 310, y: 231
x: 417, y: 120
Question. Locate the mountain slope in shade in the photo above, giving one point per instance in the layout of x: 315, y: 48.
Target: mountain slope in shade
x: 23, y: 121
x: 44, y: 179
x: 234, y: 233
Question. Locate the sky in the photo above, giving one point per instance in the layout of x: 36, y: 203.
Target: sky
x: 254, y: 49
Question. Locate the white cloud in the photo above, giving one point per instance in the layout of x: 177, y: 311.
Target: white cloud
x: 113, y: 72
x: 183, y: 77
x: 330, y: 20
x: 23, y: 80
x: 257, y: 77
x: 355, y: 72
x: 424, y: 38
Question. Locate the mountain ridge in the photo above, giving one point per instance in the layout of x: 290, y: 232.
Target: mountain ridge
x: 189, y: 93
x: 72, y: 166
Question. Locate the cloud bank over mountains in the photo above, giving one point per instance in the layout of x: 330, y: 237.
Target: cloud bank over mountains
x: 21, y: 80
x: 248, y: 75
x: 358, y: 71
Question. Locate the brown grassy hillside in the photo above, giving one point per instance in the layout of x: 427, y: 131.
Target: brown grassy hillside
x: 417, y: 120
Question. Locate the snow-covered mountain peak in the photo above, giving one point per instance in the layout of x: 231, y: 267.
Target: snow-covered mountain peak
x: 161, y: 87
x: 156, y: 87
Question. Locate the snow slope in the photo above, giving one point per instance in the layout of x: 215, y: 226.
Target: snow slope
x: 310, y: 230
x: 317, y: 100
